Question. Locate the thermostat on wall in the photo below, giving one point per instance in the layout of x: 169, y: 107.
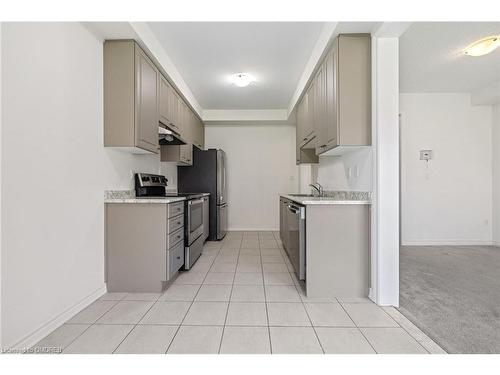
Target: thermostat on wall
x: 425, y: 155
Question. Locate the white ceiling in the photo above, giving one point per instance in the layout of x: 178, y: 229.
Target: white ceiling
x: 431, y: 57
x: 206, y: 53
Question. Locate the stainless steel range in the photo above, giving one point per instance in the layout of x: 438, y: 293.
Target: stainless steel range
x: 153, y: 186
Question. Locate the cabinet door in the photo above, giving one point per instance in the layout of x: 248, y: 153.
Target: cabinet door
x: 163, y: 103
x: 173, y: 107
x: 309, y: 112
x: 331, y: 123
x: 146, y: 126
x: 319, y: 109
x: 186, y: 154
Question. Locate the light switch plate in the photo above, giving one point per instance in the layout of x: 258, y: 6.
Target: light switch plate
x: 425, y: 155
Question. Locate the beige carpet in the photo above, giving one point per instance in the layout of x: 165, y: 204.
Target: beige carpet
x: 452, y: 293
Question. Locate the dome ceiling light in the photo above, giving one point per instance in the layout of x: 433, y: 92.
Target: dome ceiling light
x: 483, y: 46
x: 242, y: 79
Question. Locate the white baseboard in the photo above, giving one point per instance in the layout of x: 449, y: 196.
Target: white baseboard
x: 447, y: 243
x: 31, y: 339
x: 496, y: 243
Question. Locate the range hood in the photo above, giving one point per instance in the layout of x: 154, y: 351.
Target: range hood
x: 167, y: 137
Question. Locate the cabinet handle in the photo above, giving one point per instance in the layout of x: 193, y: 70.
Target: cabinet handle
x: 305, y: 139
x: 178, y: 257
x: 322, y: 146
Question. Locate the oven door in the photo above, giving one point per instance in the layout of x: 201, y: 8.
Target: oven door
x: 194, y: 227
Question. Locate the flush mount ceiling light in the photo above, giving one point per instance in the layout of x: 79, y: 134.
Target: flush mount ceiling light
x: 242, y: 79
x: 483, y: 46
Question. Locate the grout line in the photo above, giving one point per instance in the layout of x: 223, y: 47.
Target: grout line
x: 265, y: 303
x: 134, y: 325
x: 358, y: 328
x: 229, y: 302
x: 187, y: 311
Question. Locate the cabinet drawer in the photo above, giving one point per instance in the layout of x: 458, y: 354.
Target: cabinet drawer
x: 175, y: 223
x: 175, y: 237
x: 176, y: 258
x: 174, y: 209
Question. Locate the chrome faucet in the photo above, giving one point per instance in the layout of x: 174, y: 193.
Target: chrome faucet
x: 318, y: 188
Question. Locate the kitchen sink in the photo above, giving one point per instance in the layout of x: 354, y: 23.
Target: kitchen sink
x: 302, y: 195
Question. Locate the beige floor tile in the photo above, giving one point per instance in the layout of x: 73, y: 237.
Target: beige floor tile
x: 201, y: 267
x: 166, y: 313
x: 223, y: 267
x: 272, y: 258
x: 250, y: 244
x: 246, y: 314
x: 392, y: 341
x: 61, y: 337
x: 269, y: 244
x: 294, y: 340
x: 287, y: 314
x: 226, y: 259
x: 209, y: 292
x: 180, y: 292
x: 277, y: 278
x: 206, y: 258
x: 206, y: 313
x: 147, y: 339
x: 248, y: 278
x: 245, y: 340
x: 354, y: 300
x: 252, y: 251
x: 189, y: 277
x: 274, y: 267
x: 248, y: 293
x: 99, y: 339
x: 369, y: 315
x: 92, y: 312
x: 282, y: 293
x: 249, y: 267
x: 343, y: 341
x: 219, y: 278
x: 142, y: 297
x: 196, y: 340
x: 113, y: 296
x: 229, y: 252
x: 271, y: 252
x: 328, y: 315
x: 126, y: 312
x: 249, y: 259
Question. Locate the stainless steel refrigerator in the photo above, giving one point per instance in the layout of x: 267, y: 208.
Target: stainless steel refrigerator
x: 208, y: 175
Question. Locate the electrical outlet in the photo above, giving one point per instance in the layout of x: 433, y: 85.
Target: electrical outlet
x: 425, y: 155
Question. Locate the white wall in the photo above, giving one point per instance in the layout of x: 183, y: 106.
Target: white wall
x: 260, y: 165
x: 449, y: 199
x: 496, y: 173
x: 351, y: 171
x: 54, y: 171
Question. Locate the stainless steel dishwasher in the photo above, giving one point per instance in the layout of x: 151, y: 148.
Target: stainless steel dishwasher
x: 296, y: 238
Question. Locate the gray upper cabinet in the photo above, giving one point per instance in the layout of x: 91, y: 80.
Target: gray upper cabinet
x: 335, y: 109
x: 168, y: 105
x: 305, y: 147
x: 347, y: 114
x: 130, y: 98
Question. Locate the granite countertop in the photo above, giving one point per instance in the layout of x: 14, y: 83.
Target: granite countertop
x: 128, y: 196
x: 333, y: 197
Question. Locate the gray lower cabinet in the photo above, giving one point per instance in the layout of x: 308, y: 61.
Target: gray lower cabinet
x: 337, y: 248
x: 144, y: 245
